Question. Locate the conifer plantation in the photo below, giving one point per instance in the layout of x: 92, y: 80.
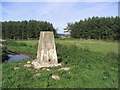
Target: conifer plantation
x: 95, y: 28
x: 25, y: 29
x: 100, y: 28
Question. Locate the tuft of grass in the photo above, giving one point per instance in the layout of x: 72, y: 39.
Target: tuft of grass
x: 112, y: 54
x: 13, y: 43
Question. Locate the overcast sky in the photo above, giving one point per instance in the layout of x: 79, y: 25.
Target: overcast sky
x: 58, y: 13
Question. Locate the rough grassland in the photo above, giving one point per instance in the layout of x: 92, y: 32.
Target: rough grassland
x: 93, y: 45
x: 94, y: 64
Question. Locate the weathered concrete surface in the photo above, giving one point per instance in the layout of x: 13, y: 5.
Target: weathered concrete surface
x: 46, y: 54
x: 46, y: 48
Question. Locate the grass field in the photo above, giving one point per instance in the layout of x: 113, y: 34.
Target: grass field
x: 93, y: 64
x: 100, y: 46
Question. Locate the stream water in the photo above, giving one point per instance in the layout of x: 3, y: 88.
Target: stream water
x: 17, y: 57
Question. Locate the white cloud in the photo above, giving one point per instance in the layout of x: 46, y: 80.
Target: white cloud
x: 57, y: 14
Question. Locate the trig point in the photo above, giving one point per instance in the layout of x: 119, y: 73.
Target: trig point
x: 46, y: 54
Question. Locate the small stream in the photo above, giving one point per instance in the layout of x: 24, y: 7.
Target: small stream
x: 17, y: 57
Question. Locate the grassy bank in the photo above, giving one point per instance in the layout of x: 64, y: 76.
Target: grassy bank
x: 88, y: 68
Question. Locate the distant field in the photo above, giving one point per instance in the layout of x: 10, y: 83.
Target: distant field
x: 94, y: 45
x: 100, y: 46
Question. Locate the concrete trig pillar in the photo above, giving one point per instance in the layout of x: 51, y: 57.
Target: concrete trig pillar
x: 46, y: 54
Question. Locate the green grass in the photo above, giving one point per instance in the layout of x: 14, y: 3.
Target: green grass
x: 89, y: 69
x: 100, y: 46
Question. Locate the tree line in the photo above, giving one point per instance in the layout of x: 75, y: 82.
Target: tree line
x: 95, y: 28
x: 25, y: 29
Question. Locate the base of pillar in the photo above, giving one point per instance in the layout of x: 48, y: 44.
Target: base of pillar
x: 38, y: 65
